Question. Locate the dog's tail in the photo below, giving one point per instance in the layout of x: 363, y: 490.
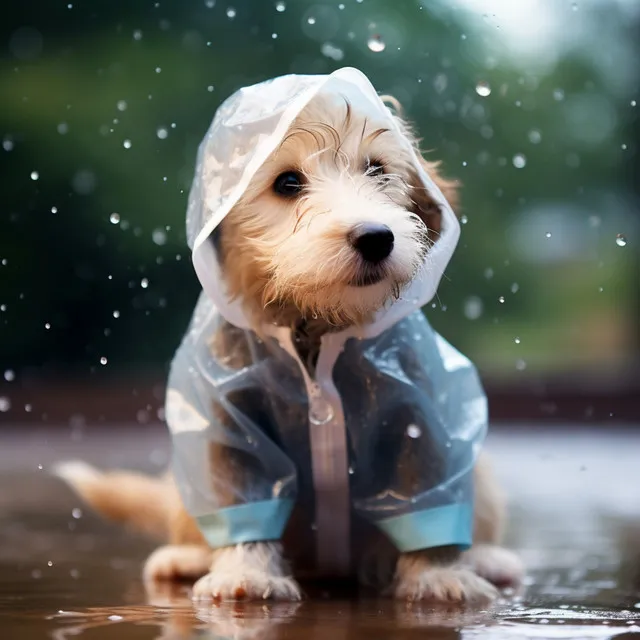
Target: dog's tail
x: 135, y: 500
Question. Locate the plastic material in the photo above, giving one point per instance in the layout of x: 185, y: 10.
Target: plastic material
x: 393, y: 420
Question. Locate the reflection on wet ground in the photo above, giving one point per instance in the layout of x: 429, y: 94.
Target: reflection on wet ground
x: 575, y: 499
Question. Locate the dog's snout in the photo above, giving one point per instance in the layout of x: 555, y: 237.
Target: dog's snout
x: 374, y: 242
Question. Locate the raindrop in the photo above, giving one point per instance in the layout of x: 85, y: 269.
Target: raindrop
x: 35, y: 175
x: 574, y: 6
x: 501, y: 299
x: 331, y: 51
x: 63, y: 128
x: 47, y: 325
x: 515, y: 287
x: 5, y: 404
x: 116, y: 314
x: 115, y: 618
x: 231, y: 13
x: 39, y: 467
x: 158, y: 69
x: 76, y: 513
x: 519, y: 161
x: 274, y: 36
x: 127, y: 144
x: 209, y: 4
x: 548, y: 234
x: 122, y: 105
x: 517, y: 340
x: 464, y: 163
x: 488, y: 273
x: 137, y: 34
x: 144, y: 283
x: 621, y: 240
x: 473, y: 308
x: 414, y: 431
x: 534, y: 136
x: 521, y: 365
x: 162, y: 133
x: 341, y: 7
x: 558, y: 94
x: 623, y: 146
x: 311, y: 20
x: 159, y: 236
x: 103, y: 361
x: 633, y: 103
x: 280, y: 7
x: 483, y: 89
x: 9, y: 375
x: 50, y: 563
x: 464, y: 219
x: 351, y: 470
x: 114, y: 218
x: 7, y: 144
x: 376, y: 43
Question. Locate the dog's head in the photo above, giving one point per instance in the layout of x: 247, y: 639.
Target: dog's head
x: 334, y: 224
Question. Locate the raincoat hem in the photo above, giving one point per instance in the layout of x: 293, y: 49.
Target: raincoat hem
x: 254, y: 522
x: 438, y: 527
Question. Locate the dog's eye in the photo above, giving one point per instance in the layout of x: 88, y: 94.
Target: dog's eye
x: 374, y: 168
x: 288, y: 184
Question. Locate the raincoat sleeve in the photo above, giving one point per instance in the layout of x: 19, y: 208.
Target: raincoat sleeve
x: 416, y: 471
x: 233, y: 478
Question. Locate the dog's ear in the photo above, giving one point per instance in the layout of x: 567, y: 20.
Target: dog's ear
x: 424, y: 205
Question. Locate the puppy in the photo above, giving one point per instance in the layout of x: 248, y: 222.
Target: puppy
x: 330, y: 230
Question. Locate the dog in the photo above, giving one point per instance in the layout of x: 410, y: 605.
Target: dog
x: 332, y: 227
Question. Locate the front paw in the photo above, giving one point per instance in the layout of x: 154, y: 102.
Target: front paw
x: 450, y: 585
x: 248, y: 585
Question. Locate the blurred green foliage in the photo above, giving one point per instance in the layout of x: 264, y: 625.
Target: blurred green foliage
x: 107, y: 102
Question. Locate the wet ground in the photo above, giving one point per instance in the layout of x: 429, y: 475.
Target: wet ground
x: 575, y: 497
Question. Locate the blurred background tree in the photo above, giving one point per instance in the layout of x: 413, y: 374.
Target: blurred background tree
x: 533, y: 105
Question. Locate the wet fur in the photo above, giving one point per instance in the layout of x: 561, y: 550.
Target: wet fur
x: 269, y: 248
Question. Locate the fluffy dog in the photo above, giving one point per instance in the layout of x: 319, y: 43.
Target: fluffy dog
x: 331, y: 228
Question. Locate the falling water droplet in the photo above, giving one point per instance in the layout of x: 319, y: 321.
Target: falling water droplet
x: 114, y: 218
x: 121, y: 105
x: 517, y: 340
x: 127, y: 144
x: 5, y: 404
x: 574, y: 6
x: 473, y: 308
x: 280, y: 7
x: 76, y: 513
x: 548, y: 234
x: 311, y: 20
x: 159, y: 237
x: 209, y: 4
x: 558, y: 94
x: 376, y: 43
x: 519, y: 161
x: 144, y: 283
x: 231, y: 13
x: 50, y: 563
x: 483, y: 89
x: 414, y: 431
x: 521, y: 365
x: 621, y: 240
x: 115, y: 618
x: 162, y: 133
x: 47, y: 325
x: 464, y: 219
x: 515, y: 287
x: 501, y: 299
x: 35, y: 175
x: 116, y: 314
x: 103, y: 360
x: 9, y: 375
x: 534, y: 136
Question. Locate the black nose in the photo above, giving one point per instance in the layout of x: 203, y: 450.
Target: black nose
x: 373, y: 241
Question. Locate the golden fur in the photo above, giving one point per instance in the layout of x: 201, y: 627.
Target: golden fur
x: 269, y: 247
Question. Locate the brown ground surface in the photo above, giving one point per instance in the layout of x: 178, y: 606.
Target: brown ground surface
x: 575, y: 498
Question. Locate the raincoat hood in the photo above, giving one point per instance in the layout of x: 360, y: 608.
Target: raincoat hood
x: 385, y: 427
x: 246, y: 130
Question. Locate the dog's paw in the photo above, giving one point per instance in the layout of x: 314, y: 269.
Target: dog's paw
x: 448, y: 585
x: 176, y: 562
x: 496, y: 564
x: 249, y: 585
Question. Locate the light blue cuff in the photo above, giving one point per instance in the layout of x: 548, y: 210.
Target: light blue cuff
x: 252, y: 522
x: 437, y: 527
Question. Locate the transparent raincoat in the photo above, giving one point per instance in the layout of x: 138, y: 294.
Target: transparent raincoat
x: 389, y: 426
